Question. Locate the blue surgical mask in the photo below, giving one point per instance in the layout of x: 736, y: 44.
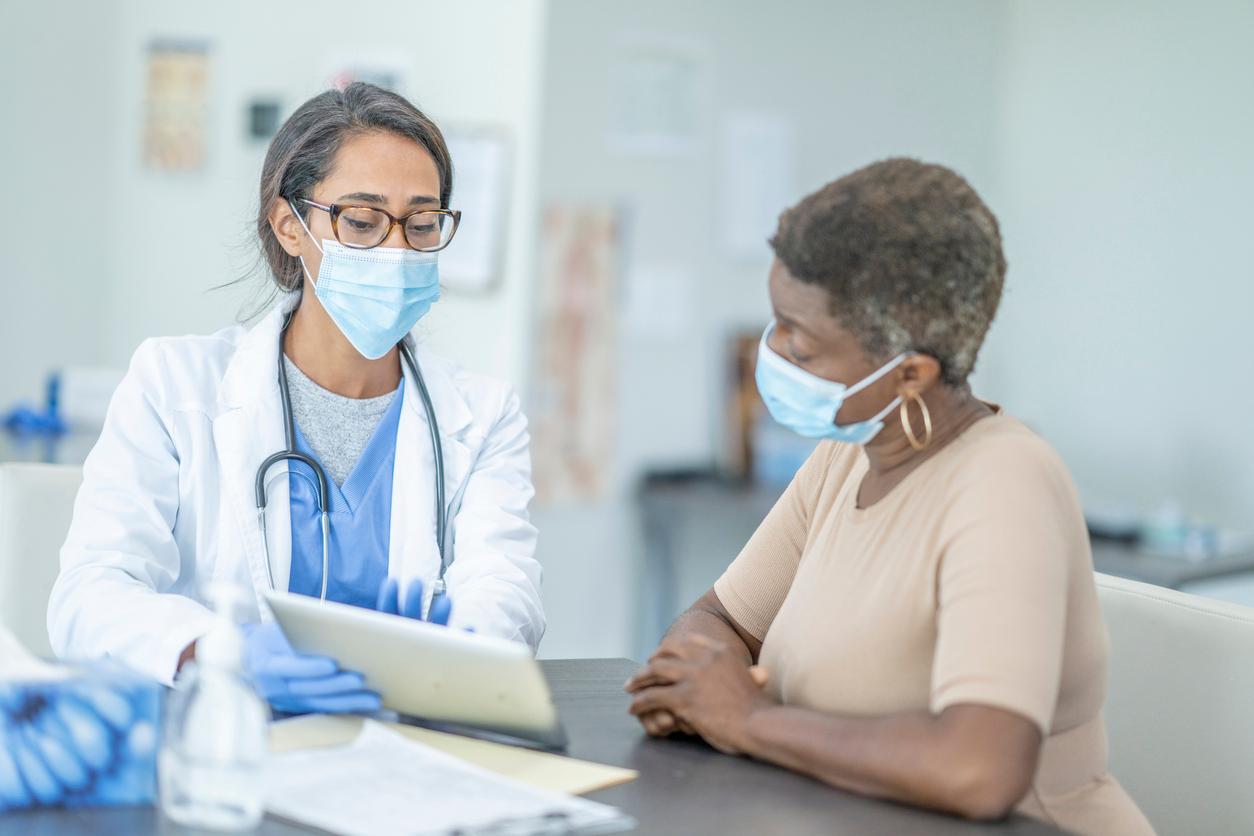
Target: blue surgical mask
x: 374, y: 296
x: 807, y: 404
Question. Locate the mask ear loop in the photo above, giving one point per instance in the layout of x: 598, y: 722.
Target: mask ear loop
x: 301, y: 259
x: 875, y: 376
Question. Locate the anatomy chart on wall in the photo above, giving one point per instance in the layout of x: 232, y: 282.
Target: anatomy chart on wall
x: 175, y: 104
x: 574, y: 401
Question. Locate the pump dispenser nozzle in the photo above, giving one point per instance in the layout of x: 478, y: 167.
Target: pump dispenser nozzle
x: 223, y: 645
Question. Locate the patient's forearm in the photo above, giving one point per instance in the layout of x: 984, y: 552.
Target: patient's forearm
x: 708, y: 617
x: 971, y: 760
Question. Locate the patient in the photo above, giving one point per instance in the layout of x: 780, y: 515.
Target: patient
x: 919, y: 606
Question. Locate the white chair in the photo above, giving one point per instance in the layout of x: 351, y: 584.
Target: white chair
x: 1180, y: 711
x: 36, y: 505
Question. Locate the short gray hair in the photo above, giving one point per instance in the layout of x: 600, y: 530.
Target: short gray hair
x: 910, y: 256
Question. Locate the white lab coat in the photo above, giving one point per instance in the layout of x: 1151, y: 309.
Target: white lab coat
x: 168, y: 505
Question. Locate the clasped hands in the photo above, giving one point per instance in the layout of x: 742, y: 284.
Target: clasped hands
x: 694, y: 684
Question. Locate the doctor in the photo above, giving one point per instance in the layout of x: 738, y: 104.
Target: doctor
x: 302, y: 454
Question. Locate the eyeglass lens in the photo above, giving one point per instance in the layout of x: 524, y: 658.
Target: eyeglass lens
x: 361, y: 227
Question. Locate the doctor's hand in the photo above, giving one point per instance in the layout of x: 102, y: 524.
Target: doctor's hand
x: 390, y: 602
x: 299, y: 684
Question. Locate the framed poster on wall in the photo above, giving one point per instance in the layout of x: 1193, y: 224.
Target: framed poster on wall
x: 481, y: 170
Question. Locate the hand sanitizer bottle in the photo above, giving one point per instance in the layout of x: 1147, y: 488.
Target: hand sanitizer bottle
x: 215, y: 732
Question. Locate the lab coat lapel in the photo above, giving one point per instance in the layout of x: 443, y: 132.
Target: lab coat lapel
x: 413, y: 553
x: 249, y: 428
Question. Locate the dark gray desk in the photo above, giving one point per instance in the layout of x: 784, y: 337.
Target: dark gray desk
x: 684, y: 787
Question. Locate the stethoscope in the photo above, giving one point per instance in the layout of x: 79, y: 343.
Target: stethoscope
x: 290, y: 453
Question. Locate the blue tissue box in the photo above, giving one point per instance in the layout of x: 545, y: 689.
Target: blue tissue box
x: 89, y: 739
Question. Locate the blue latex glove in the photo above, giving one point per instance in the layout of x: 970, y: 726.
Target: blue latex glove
x: 57, y: 742
x: 299, y: 684
x: 89, y: 730
x: 13, y: 792
x: 389, y: 602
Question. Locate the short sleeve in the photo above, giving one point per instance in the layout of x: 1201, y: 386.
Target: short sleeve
x: 754, y: 586
x: 1003, y: 583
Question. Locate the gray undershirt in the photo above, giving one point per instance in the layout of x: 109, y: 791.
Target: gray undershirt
x: 337, y: 428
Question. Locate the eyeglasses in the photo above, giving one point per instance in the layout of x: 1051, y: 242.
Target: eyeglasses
x: 363, y: 227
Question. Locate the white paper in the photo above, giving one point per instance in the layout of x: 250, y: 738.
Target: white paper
x: 657, y: 96
x: 18, y: 665
x: 480, y: 191
x: 386, y: 783
x: 757, y: 170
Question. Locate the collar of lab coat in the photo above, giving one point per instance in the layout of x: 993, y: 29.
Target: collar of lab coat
x: 249, y: 427
x: 252, y: 373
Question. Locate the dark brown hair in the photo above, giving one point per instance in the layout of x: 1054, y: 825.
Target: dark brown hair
x: 302, y: 152
x: 909, y: 255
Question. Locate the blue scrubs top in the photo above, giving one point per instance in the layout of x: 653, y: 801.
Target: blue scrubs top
x: 361, y: 520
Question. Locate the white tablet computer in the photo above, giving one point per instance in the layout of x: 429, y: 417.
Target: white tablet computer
x: 427, y: 672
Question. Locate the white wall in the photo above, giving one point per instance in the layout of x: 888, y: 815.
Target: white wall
x: 1112, y: 138
x: 861, y: 81
x: 55, y: 145
x: 1124, y: 181
x: 472, y: 63
x: 156, y: 243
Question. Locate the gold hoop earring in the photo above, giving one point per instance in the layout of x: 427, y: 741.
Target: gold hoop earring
x: 905, y: 421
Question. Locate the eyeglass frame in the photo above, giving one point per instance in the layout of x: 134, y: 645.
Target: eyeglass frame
x: 335, y: 209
